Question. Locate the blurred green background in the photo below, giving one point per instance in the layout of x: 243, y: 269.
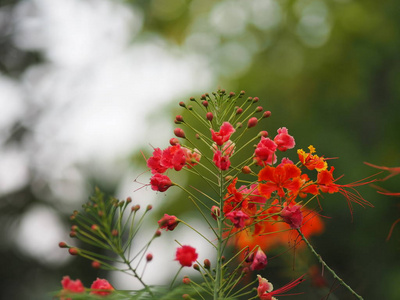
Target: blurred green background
x: 327, y: 70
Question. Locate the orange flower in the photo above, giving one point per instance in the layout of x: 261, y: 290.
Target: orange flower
x: 283, y: 176
x: 311, y: 161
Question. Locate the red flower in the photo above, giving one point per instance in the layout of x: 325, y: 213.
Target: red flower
x: 160, y: 182
x: 101, y: 287
x: 186, y: 255
x: 173, y: 158
x: 192, y: 157
x: 292, y: 215
x: 284, y: 140
x: 224, y: 133
x: 258, y: 260
x: 265, y: 288
x: 284, y: 176
x: 154, y: 162
x: 168, y: 222
x: 237, y: 217
x: 71, y: 286
x: 265, y: 152
x: 222, y: 162
x: 311, y: 161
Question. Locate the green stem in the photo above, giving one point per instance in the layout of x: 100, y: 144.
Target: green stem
x: 327, y: 267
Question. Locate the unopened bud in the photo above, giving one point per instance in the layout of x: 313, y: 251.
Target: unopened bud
x: 158, y: 233
x: 179, y: 118
x: 74, y: 227
x: 215, y: 212
x: 100, y: 213
x: 149, y: 207
x: 186, y: 280
x: 249, y: 99
x: 239, y: 111
x: 186, y: 296
x: 174, y: 141
x: 231, y: 94
x: 223, y: 92
x: 73, y: 251
x: 190, y: 107
x: 207, y: 264
x: 242, y: 93
x: 259, y: 108
x: 228, y: 178
x: 263, y: 133
x: 128, y: 200
x: 246, y: 170
x: 266, y: 114
x: 182, y: 104
x: 114, y: 232
x: 239, y: 125
x: 179, y: 132
x: 136, y: 207
x: 205, y: 103
x: 203, y: 97
x: 62, y: 245
x: 197, y: 136
x: 209, y: 116
x: 94, y: 227
x: 196, y: 267
x: 96, y: 264
x: 72, y: 234
x: 252, y: 122
x: 255, y: 99
x: 192, y: 99
x: 149, y: 257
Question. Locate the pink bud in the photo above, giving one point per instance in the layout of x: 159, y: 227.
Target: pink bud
x: 182, y: 104
x: 179, y: 132
x: 149, y: 207
x: 246, y: 170
x: 266, y: 114
x: 136, y: 207
x: 96, y: 264
x: 259, y: 109
x: 255, y: 99
x: 186, y: 280
x: 158, y: 233
x: 149, y: 257
x: 174, y: 141
x: 242, y: 93
x: 62, y: 245
x: 263, y: 133
x: 128, y: 200
x: 252, y: 122
x: 205, y: 103
x: 215, y: 212
x: 114, y: 232
x: 179, y: 118
x: 73, y: 251
x: 239, y: 111
x: 231, y: 94
x: 209, y: 116
x: 94, y: 227
x: 207, y: 264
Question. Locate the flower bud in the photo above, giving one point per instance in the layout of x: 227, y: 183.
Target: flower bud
x: 196, y: 267
x: 149, y: 207
x: 72, y: 234
x: 73, y: 251
x: 158, y: 233
x: 242, y: 93
x: 174, y: 141
x: 136, y: 207
x: 149, y: 257
x: 239, y: 111
x: 179, y: 132
x: 239, y: 125
x: 223, y: 92
x: 192, y: 99
x: 128, y: 200
x: 255, y: 99
x: 246, y: 170
x: 205, y: 103
x: 209, y: 116
x: 190, y: 107
x: 252, y: 122
x: 74, y: 227
x: 249, y: 99
x: 96, y: 264
x: 215, y: 212
x: 182, y: 104
x: 186, y: 280
x: 100, y: 213
x: 94, y: 227
x: 231, y: 94
x: 263, y: 133
x: 207, y: 264
x: 203, y: 97
x: 228, y: 178
x: 266, y: 114
x: 114, y: 232
x: 62, y: 245
x: 179, y: 118
x: 197, y: 136
x: 186, y: 296
x: 259, y: 108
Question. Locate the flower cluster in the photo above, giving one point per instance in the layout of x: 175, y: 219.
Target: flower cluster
x: 100, y: 287
x: 258, y: 197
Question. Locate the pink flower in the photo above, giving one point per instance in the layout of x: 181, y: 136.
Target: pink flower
x: 168, y: 222
x: 222, y: 162
x: 259, y: 260
x: 237, y: 217
x: 186, y: 255
x: 192, y: 157
x: 265, y: 151
x: 224, y: 133
x: 292, y: 215
x: 265, y: 288
x: 160, y: 182
x: 71, y: 286
x: 284, y: 140
x: 101, y: 287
